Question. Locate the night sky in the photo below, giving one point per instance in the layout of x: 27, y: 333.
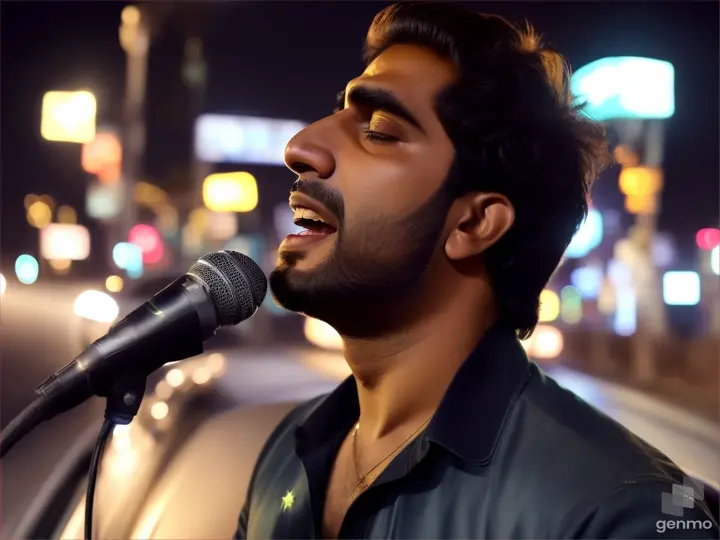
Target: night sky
x: 288, y: 60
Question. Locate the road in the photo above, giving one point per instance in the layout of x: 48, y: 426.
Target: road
x: 40, y: 334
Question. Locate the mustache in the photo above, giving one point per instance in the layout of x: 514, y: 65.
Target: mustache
x: 322, y: 193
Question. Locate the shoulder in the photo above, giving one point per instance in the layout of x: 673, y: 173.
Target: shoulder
x: 557, y: 426
x: 644, y: 509
x: 579, y: 467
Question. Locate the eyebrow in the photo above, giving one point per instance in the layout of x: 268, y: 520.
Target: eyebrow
x: 378, y: 99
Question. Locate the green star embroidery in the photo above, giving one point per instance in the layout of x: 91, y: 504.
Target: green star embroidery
x: 287, y: 501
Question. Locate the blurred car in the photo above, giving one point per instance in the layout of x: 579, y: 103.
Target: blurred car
x: 182, y: 468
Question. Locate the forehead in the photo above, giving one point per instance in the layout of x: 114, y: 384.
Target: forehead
x: 415, y: 74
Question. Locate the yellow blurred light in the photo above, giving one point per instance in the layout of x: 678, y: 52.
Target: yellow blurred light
x: 199, y: 220
x: 114, y: 283
x: 61, y: 266
x: 66, y: 214
x: 175, y: 377
x: 29, y: 199
x: 546, y: 342
x: 130, y: 15
x: 216, y: 363
x: 322, y: 335
x: 159, y: 410
x: 149, y: 195
x: 230, y: 192
x: 47, y: 199
x: 39, y: 214
x: 549, y: 306
x: 640, y: 181
x: 625, y: 156
x: 96, y: 306
x: 68, y: 116
x: 641, y: 204
x: 3, y: 285
x: 201, y: 375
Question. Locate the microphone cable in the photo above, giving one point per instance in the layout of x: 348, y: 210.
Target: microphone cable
x: 105, y: 432
x: 22, y: 424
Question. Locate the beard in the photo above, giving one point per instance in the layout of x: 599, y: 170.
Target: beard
x: 366, y: 286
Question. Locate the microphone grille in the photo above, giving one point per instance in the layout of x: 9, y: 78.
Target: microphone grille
x: 237, y: 284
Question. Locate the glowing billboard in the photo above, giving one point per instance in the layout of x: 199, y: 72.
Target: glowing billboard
x: 222, y: 138
x: 626, y: 87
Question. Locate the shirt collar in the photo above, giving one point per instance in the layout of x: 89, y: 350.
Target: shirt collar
x: 471, y: 415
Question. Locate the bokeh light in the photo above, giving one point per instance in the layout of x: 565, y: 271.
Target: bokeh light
x: 545, y: 343
x: 571, y: 305
x: 128, y: 257
x: 114, y: 284
x: 3, y: 285
x: 39, y: 214
x: 159, y: 410
x: 625, y: 319
x: 27, y: 269
x: 66, y: 214
x: 322, y: 335
x: 707, y: 239
x: 148, y: 239
x: 587, y: 280
x: 681, y: 288
x: 96, y: 306
x: 588, y: 237
x: 61, y: 266
x: 549, y: 306
x: 715, y: 260
x: 230, y: 192
x: 68, y: 116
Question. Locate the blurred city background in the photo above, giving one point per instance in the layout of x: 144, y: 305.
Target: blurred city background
x: 136, y: 138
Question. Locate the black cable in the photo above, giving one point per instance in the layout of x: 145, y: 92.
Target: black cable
x: 103, y: 436
x: 22, y: 424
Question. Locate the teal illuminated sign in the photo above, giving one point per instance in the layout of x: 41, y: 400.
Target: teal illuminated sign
x: 626, y: 87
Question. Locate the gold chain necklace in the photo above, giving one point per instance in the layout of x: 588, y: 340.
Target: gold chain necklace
x: 362, y: 480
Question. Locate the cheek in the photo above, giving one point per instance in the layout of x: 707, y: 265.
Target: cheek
x: 391, y: 189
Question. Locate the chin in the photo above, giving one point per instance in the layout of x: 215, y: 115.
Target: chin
x: 289, y: 285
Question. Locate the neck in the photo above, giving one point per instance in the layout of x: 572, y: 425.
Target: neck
x: 401, y: 378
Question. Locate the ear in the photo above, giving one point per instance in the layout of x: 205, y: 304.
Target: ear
x: 483, y: 218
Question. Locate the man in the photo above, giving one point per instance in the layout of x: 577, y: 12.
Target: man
x: 438, y: 199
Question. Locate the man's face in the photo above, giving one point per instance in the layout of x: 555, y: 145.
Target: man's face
x: 374, y: 171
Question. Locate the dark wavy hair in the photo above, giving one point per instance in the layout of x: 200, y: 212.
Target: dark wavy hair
x: 516, y: 131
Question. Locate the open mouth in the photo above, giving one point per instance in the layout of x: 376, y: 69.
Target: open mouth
x: 313, y: 223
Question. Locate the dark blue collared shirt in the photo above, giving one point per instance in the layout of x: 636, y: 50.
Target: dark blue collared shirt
x: 508, y: 454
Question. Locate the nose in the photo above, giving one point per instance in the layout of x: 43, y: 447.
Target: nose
x: 305, y: 153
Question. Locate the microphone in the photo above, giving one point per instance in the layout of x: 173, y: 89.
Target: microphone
x: 220, y: 289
